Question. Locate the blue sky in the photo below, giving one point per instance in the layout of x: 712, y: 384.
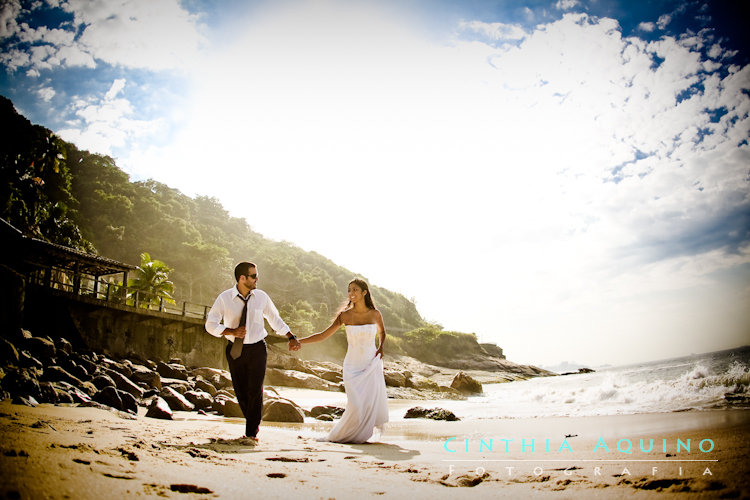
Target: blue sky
x: 567, y: 174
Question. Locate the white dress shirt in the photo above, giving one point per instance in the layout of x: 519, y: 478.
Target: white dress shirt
x: 226, y: 311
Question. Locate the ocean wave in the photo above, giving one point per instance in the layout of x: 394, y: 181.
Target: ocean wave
x: 703, y: 384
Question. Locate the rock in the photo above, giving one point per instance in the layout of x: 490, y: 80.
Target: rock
x: 84, y: 361
x: 181, y: 386
x: 229, y: 393
x: 125, y: 384
x: 175, y: 400
x: 394, y: 378
x: 450, y: 392
x: 291, y: 378
x: 48, y: 393
x: 129, y: 403
x: 199, y: 399
x: 112, y: 365
x: 283, y: 361
x: 22, y: 383
x: 109, y: 396
x: 26, y: 401
x: 218, y: 378
x: 423, y: 383
x: 40, y: 348
x: 280, y: 410
x: 172, y: 370
x: 64, y: 346
x: 227, y: 406
x: 70, y: 366
x: 26, y: 360
x: 8, y: 353
x: 464, y: 384
x: 433, y: 413
x: 142, y: 374
x: 76, y: 394
x: 203, y: 385
x: 325, y: 417
x: 102, y: 380
x: 63, y: 397
x: 333, y: 411
x: 159, y: 409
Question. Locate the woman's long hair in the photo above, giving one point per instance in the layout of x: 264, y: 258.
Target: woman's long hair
x: 362, y: 284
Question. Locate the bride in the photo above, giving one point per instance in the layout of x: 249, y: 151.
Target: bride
x: 366, y: 400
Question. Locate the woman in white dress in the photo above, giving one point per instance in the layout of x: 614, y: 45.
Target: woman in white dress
x: 366, y: 400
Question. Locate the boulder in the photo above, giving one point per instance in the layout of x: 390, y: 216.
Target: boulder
x: 394, y: 378
x: 218, y: 378
x: 8, y: 353
x: 290, y: 378
x: 199, y: 399
x: 76, y: 394
x: 159, y: 409
x: 432, y: 413
x: 423, y: 383
x: 227, y: 406
x: 109, y: 396
x: 175, y: 400
x: 283, y: 361
x: 205, y: 386
x: 58, y: 374
x: 172, y: 370
x: 48, y: 393
x: 112, y: 365
x: 281, y: 410
x: 26, y: 360
x: 465, y: 384
x: 40, y: 348
x: 333, y: 411
x: 129, y: 403
x: 125, y: 384
x: 181, y: 386
x: 102, y: 380
x: 149, y: 377
x: 63, y: 345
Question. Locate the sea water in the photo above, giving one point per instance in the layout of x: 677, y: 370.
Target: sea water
x: 697, y: 382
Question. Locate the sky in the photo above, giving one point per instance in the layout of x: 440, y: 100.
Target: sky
x: 568, y: 179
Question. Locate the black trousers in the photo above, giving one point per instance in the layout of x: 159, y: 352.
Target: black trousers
x: 248, y: 372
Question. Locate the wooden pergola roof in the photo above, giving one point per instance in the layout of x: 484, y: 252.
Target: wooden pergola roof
x: 28, y: 253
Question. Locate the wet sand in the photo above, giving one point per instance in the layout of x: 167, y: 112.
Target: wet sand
x: 73, y: 452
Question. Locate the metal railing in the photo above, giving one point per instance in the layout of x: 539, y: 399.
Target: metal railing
x: 113, y: 292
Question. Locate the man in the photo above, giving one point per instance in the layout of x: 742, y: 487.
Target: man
x: 247, y: 361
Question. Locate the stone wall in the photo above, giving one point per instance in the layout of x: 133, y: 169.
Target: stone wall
x: 122, y: 331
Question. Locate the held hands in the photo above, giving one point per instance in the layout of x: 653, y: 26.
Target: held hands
x: 294, y: 344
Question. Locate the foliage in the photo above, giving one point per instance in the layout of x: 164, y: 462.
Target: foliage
x: 153, y: 281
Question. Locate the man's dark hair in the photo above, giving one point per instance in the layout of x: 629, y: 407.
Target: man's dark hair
x: 242, y: 269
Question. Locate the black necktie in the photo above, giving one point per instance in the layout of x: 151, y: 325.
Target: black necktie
x: 236, y: 350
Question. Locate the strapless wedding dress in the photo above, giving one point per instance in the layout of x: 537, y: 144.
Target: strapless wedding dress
x: 366, y: 400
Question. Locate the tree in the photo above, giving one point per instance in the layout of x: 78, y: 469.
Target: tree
x: 152, y: 284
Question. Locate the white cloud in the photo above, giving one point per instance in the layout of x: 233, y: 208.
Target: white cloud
x: 566, y: 4
x: 495, y: 31
x: 137, y: 33
x: 9, y: 11
x: 132, y: 33
x: 663, y: 21
x: 46, y: 93
x: 105, y: 124
x: 647, y: 27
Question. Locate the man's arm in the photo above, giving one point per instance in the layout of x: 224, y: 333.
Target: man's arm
x: 274, y: 319
x: 214, y: 326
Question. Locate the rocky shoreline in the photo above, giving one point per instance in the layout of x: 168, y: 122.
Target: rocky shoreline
x: 42, y: 370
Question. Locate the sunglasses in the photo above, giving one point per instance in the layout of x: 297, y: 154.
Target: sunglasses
x: 252, y: 276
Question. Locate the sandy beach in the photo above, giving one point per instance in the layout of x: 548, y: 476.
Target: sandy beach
x: 77, y: 452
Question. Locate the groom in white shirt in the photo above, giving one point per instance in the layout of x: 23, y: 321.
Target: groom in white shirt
x: 247, y: 363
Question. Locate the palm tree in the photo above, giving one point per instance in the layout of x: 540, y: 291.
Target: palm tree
x: 152, y: 284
